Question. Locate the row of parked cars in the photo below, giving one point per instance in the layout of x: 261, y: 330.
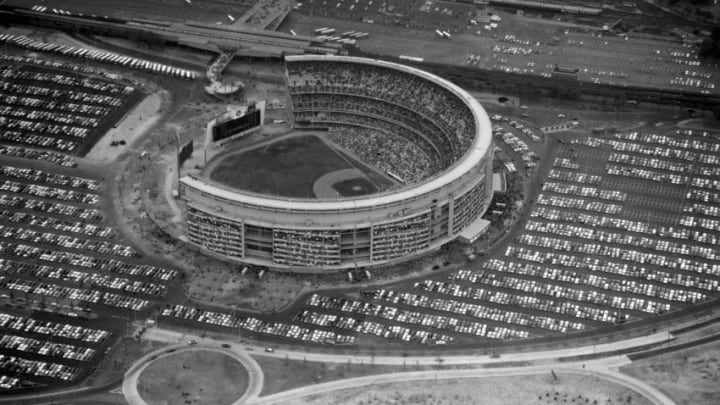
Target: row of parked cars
x: 578, y: 204
x: 639, y: 260
x: 42, y: 221
x: 639, y: 147
x: 56, y: 77
x: 59, y: 159
x: 53, y: 118
x: 98, y: 55
x: 36, y: 271
x: 468, y: 305
x: 565, y: 292
x: 63, y: 292
x: 584, y: 191
x: 14, y: 365
x: 606, y: 236
x: 66, y: 241
x: 369, y: 327
x: 422, y: 319
x: 618, y: 252
x: 574, y: 177
x: 55, y: 329
x: 699, y: 222
x: 623, y: 224
x: 256, y: 325
x: 560, y: 264
x: 645, y: 174
x: 44, y: 85
x: 37, y: 140
x: 10, y: 122
x: 518, y: 146
x: 599, y: 281
x: 30, y: 102
x: 49, y: 192
x: 45, y: 347
x: 42, y: 176
x: 52, y: 109
x: 81, y: 260
x: 533, y: 302
x: 31, y: 204
x: 517, y: 125
x: 654, y: 163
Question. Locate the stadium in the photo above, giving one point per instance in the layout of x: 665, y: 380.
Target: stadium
x: 414, y: 171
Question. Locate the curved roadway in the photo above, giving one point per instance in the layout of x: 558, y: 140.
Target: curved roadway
x: 255, y: 380
x: 544, y: 363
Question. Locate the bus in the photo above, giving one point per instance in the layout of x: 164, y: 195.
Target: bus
x: 231, y: 18
x: 328, y: 31
x: 293, y: 33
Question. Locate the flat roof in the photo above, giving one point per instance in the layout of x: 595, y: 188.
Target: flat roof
x: 476, y: 152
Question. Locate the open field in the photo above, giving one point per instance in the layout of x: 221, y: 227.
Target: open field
x: 530, y: 390
x: 689, y: 377
x: 288, y: 168
x: 200, y: 376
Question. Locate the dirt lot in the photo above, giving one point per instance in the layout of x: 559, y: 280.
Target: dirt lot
x: 689, y: 377
x: 529, y: 390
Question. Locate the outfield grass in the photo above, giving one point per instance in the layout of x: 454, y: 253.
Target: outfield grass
x: 286, y: 168
x: 201, y: 376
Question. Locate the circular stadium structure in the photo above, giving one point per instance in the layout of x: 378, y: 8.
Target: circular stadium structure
x: 430, y: 138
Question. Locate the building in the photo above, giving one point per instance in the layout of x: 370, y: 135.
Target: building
x: 376, y: 229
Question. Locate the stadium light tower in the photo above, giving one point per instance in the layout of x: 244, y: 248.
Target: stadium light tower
x: 177, y: 158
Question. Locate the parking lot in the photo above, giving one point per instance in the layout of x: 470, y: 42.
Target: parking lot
x: 58, y: 111
x: 69, y: 281
x: 593, y: 253
x: 603, y: 58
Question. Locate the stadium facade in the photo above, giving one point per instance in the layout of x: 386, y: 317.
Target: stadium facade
x: 387, y: 227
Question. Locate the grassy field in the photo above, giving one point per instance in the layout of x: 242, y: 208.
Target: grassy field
x: 689, y: 377
x: 200, y: 376
x: 526, y: 390
x: 287, y: 168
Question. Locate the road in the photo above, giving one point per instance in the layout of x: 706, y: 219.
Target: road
x: 164, y: 335
x: 603, y: 368
x: 547, y: 362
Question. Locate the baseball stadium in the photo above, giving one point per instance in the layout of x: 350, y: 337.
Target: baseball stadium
x: 385, y: 162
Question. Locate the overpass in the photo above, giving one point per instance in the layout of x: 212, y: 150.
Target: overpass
x: 241, y: 39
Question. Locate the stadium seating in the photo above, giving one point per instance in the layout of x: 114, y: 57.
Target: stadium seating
x: 403, y: 123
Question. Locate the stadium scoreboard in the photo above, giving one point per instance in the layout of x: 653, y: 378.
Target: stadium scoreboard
x: 236, y: 122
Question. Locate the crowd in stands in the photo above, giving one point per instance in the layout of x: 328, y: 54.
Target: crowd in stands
x: 424, y: 131
x: 427, y: 158
x: 386, y: 152
x: 420, y: 105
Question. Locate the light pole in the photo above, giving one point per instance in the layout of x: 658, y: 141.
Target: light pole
x: 177, y: 157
